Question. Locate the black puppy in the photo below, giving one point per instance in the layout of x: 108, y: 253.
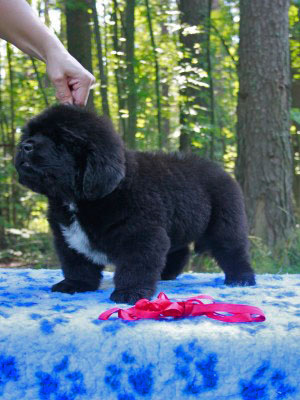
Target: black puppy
x: 138, y: 211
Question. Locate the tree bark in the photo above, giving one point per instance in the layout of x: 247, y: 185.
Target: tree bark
x: 79, y: 36
x: 194, y: 93
x: 264, y: 164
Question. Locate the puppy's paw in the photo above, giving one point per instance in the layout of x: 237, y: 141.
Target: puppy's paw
x: 242, y: 280
x: 130, y: 296
x: 71, y: 287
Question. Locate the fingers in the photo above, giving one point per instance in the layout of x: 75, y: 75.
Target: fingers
x: 74, y: 91
x: 63, y: 92
x: 80, y: 96
x: 71, y: 80
x: 80, y: 88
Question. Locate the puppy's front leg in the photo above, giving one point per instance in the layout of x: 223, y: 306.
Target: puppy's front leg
x: 140, y: 259
x: 81, y: 274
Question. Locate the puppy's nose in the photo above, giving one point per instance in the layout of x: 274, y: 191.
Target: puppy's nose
x: 27, y: 147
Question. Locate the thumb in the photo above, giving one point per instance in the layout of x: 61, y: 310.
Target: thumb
x: 63, y: 92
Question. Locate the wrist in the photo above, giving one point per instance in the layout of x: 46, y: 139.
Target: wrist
x: 51, y: 47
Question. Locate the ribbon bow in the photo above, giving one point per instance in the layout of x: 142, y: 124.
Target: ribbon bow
x: 162, y: 307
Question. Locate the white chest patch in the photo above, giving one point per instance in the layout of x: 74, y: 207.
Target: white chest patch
x: 78, y: 240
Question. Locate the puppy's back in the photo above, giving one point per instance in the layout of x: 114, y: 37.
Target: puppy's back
x: 181, y: 170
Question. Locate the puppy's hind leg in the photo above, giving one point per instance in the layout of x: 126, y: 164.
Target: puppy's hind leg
x: 176, y: 261
x: 226, y: 238
x: 234, y: 261
x: 232, y: 257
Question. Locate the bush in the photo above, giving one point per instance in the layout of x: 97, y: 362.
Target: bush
x: 26, y: 248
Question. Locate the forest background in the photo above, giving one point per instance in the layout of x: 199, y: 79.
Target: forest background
x: 216, y: 77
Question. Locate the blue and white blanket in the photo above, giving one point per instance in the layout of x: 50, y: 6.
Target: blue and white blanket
x: 53, y: 347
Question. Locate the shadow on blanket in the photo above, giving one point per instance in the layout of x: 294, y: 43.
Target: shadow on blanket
x: 53, y: 347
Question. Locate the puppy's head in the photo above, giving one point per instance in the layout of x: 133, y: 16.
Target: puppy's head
x: 69, y: 153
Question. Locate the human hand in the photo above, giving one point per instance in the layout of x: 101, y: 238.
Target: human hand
x: 21, y: 26
x: 71, y: 80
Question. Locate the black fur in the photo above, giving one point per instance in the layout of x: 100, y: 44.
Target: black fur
x: 140, y: 209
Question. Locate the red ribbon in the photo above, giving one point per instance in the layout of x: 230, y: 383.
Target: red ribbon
x: 162, y: 307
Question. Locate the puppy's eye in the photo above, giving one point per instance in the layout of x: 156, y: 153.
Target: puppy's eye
x: 27, y: 146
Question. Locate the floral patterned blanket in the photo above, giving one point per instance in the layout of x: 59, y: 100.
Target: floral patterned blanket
x: 53, y: 347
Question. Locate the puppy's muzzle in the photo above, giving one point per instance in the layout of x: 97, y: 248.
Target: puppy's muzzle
x: 23, y: 157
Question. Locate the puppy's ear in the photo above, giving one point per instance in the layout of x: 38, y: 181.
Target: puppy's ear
x: 105, y: 164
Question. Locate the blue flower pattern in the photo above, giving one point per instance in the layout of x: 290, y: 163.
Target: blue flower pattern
x: 8, y: 371
x: 128, y: 378
x: 266, y: 383
x: 196, y: 368
x: 53, y: 385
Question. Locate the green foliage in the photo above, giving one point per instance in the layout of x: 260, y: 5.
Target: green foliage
x: 28, y: 248
x: 295, y: 39
x: 224, y: 41
x: 284, y: 259
x: 295, y: 115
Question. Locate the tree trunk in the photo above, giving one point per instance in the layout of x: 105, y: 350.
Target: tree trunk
x: 2, y: 174
x: 13, y: 197
x: 296, y: 180
x: 211, y: 86
x: 106, y: 51
x: 165, y: 119
x: 40, y: 83
x: 295, y: 35
x: 103, y: 76
x: 3, y: 117
x: 194, y: 105
x: 296, y: 142
x: 130, y: 61
x: 46, y: 13
x: 264, y: 164
x: 119, y: 71
x: 157, y: 76
x: 79, y: 36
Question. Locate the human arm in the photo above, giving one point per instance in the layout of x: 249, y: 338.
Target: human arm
x: 20, y: 26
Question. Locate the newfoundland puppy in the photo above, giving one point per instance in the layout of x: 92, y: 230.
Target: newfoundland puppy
x: 137, y: 210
